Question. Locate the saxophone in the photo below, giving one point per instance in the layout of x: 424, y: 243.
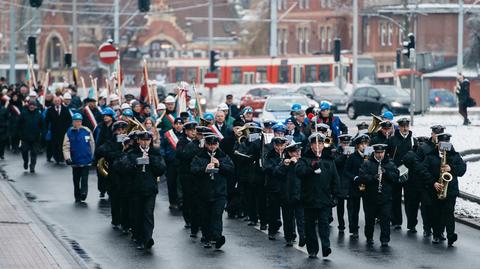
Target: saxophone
x: 444, y: 179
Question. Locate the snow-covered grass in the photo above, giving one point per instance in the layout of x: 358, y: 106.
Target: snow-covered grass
x: 467, y: 208
x: 470, y: 182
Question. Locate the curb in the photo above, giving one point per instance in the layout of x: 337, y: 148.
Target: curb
x: 467, y: 221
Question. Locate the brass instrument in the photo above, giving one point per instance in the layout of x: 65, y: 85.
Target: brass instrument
x: 445, y: 177
x: 361, y: 186
x: 212, y: 171
x: 328, y: 140
x: 102, y: 164
x: 375, y: 125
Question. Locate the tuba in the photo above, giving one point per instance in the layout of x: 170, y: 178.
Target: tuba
x: 242, y: 133
x: 375, y: 125
x: 444, y: 179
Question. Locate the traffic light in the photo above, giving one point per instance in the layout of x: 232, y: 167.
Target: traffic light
x: 32, y: 47
x: 68, y: 60
x: 214, y: 58
x: 144, y: 5
x: 409, y: 46
x: 36, y: 3
x: 399, y: 59
x: 336, y: 49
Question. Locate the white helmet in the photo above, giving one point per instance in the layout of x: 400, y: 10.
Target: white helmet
x: 222, y: 107
x: 67, y: 96
x: 114, y: 97
x: 169, y: 99
x: 161, y: 106
x: 103, y: 94
x: 33, y: 94
x: 192, y: 103
x: 125, y: 106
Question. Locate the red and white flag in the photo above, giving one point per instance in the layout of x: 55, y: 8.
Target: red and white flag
x: 172, y: 138
x: 216, y: 131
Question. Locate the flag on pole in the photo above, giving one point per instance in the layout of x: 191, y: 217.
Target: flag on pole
x: 144, y: 91
x: 181, y: 101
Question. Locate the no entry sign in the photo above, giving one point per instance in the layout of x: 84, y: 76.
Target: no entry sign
x: 210, y: 80
x: 107, y: 53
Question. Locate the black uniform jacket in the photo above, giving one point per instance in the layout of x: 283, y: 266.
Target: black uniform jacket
x: 368, y: 175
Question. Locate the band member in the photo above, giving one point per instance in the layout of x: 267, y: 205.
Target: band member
x: 292, y: 210
x: 399, y: 144
x: 184, y: 174
x: 272, y: 182
x: 78, y: 149
x: 212, y: 167
x: 341, y: 155
x: 4, y: 120
x: 169, y: 146
x: 293, y: 132
x: 143, y: 164
x: 378, y: 174
x: 104, y: 133
x: 30, y: 126
x: 112, y: 150
x: 382, y: 135
x: 348, y: 181
x: 319, y: 185
x: 441, y: 171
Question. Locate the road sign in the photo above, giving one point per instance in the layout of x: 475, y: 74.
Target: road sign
x: 210, y: 80
x: 107, y: 53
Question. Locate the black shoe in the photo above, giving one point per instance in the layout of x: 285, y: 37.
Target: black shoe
x: 326, y: 252
x: 384, y: 244
x: 77, y: 201
x: 427, y: 233
x: 102, y: 195
x: 252, y: 223
x: 369, y: 241
x: 289, y: 243
x: 203, y: 239
x: 442, y: 237
x: 271, y: 237
x: 49, y: 160
x: 115, y: 226
x: 187, y: 225
x: 263, y: 227
x: 193, y: 235
x: 301, y: 243
x: 397, y: 227
x: 341, y: 230
x: 452, y: 239
x: 220, y: 242
x: 141, y: 247
x: 32, y: 170
x: 25, y: 165
x: 207, y: 245
x: 149, y: 243
x: 412, y: 230
x: 354, y: 235
x: 436, y: 240
x: 312, y: 256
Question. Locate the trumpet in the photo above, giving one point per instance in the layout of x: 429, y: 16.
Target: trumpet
x: 212, y: 171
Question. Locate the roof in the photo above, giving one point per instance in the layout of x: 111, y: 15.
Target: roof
x: 428, y: 8
x: 451, y: 72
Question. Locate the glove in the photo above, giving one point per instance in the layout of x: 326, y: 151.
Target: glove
x: 68, y: 161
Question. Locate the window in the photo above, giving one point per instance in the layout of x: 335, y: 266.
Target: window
x: 325, y: 3
x: 390, y: 34
x: 323, y: 38
x: 329, y: 39
x: 261, y: 74
x: 306, y: 39
x: 192, y: 74
x: 303, y: 4
x: 367, y: 35
x: 284, y: 74
x: 300, y: 34
x: 282, y: 41
x: 400, y: 36
x: 324, y: 73
x: 373, y: 93
x: 310, y: 73
x: 361, y: 92
x: 179, y: 72
x: 236, y: 75
x: 54, y: 57
x: 282, y: 4
x: 382, y: 34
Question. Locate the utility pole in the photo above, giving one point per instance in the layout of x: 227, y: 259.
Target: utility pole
x: 75, y: 34
x: 273, y: 28
x: 116, y: 22
x: 460, y: 37
x: 355, y: 45
x: 210, y: 41
x: 12, y: 55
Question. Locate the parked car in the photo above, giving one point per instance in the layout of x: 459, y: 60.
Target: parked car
x: 442, y: 98
x: 376, y: 99
x: 325, y: 92
x: 278, y: 107
x: 256, y: 97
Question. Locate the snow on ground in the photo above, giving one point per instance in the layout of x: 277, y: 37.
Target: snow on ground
x: 467, y: 208
x: 470, y: 182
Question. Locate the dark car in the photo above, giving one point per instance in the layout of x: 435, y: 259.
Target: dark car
x: 325, y: 92
x: 442, y: 98
x: 377, y: 99
x: 256, y: 97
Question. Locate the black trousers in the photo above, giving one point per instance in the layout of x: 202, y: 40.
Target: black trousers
x: 340, y: 213
x: 443, y: 216
x: 462, y: 109
x: 80, y: 182
x: 186, y: 182
x: 172, y: 182
x: 353, y: 208
x: 29, y: 153
x: 373, y: 209
x: 317, y: 217
x: 102, y: 183
x: 293, y: 216
x: 3, y: 144
x: 413, y: 200
x: 124, y: 202
x: 143, y: 206
x: 396, y: 215
x: 115, y: 207
x: 273, y: 212
x: 212, y: 216
x: 256, y: 201
x: 57, y: 149
x: 15, y: 142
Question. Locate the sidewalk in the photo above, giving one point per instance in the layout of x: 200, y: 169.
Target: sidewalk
x: 24, y: 241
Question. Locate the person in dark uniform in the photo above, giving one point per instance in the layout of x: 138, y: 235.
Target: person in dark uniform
x: 378, y: 174
x: 4, y: 121
x: 382, y: 135
x: 292, y: 210
x: 319, y: 186
x: 399, y: 144
x: 143, y: 164
x: 341, y: 155
x: 348, y: 181
x: 425, y: 149
x: 112, y: 150
x: 168, y: 147
x: 273, y: 158
x: 30, y: 126
x: 104, y: 133
x: 183, y: 169
x: 212, y: 167
x: 434, y: 165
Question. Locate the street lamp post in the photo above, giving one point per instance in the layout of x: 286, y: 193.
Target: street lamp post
x: 12, y: 60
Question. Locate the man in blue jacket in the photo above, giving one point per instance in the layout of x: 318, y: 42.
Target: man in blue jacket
x: 78, y: 148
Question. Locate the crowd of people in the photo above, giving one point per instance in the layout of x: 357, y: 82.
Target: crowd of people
x: 271, y: 174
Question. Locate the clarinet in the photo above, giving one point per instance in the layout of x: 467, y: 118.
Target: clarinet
x: 379, y: 173
x: 212, y: 174
x: 145, y: 155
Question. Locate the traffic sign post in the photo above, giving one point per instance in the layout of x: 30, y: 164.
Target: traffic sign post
x: 107, y: 53
x: 210, y: 80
